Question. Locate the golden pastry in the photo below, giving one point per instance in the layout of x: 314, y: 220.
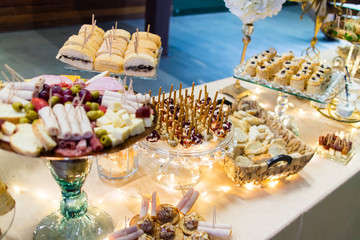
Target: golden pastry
x: 189, y: 223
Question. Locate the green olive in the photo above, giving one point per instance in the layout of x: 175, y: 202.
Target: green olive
x: 92, y: 115
x: 94, y: 106
x: 88, y: 104
x: 24, y: 120
x: 31, y: 115
x: 17, y: 106
x: 54, y: 100
x: 95, y: 95
x: 105, y: 141
x: 68, y: 102
x: 74, y: 90
x: 100, y: 113
x: 35, y: 121
x: 63, y: 88
x: 78, y: 86
x: 29, y: 106
x: 101, y: 132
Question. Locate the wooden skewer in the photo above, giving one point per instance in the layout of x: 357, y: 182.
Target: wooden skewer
x: 163, y: 100
x: 160, y: 119
x: 14, y: 72
x: 159, y: 95
x: 149, y: 94
x: 227, y: 114
x: 222, y: 119
x: 153, y: 101
x: 180, y: 86
x: 186, y: 96
x: 84, y: 39
x: 171, y: 89
x: 6, y: 78
x: 182, y: 190
x: 199, y: 98
x: 209, y: 124
x: 206, y: 114
x: 92, y: 19
x: 195, y: 125
x: 174, y: 98
x: 111, y: 40
x: 148, y: 30
x: 115, y: 25
x: 192, y: 88
x: 220, y: 109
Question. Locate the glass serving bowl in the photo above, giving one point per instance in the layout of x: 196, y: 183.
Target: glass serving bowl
x: 179, y: 167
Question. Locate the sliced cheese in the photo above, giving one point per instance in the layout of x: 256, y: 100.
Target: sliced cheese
x: 137, y: 126
x: 102, y: 121
x: 121, y: 112
x: 121, y: 133
x: 115, y: 106
x: 127, y: 119
x: 114, y: 140
x: 119, y: 123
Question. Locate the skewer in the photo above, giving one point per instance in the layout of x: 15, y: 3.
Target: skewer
x: 159, y: 95
x: 167, y: 115
x: 222, y: 120
x: 195, y: 125
x: 185, y: 100
x: 92, y: 19
x: 192, y: 88
x: 14, y: 72
x: 190, y: 129
x: 206, y: 114
x: 148, y: 29
x: 174, y: 99
x: 182, y: 190
x: 110, y: 44
x: 163, y: 100
x: 199, y: 97
x: 171, y: 89
x: 220, y: 109
x: 208, y: 126
x: 115, y: 25
x: 227, y: 114
x: 6, y: 78
x: 180, y: 86
x: 174, y: 129
x: 153, y: 101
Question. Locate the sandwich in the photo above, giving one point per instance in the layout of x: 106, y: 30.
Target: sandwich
x: 144, y: 43
x: 106, y: 62
x: 148, y: 36
x: 79, y: 40
x: 118, y: 33
x: 88, y: 27
x: 77, y: 56
x: 139, y: 64
x: 94, y: 37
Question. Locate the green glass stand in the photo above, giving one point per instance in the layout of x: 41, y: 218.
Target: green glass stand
x: 74, y: 220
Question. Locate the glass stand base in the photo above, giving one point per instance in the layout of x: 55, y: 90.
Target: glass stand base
x: 173, y: 176
x: 94, y: 225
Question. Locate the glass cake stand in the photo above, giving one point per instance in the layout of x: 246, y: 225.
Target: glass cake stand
x: 179, y: 167
x: 93, y: 71
x: 329, y: 91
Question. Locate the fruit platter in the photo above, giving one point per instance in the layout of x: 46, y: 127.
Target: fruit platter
x: 54, y: 117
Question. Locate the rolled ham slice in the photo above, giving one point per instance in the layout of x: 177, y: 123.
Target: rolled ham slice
x: 144, y: 206
x: 85, y: 125
x: 216, y: 232
x: 12, y: 99
x: 50, y: 121
x: 112, y: 94
x: 96, y: 144
x: 25, y: 94
x: 132, y: 236
x: 190, y: 202
x: 74, y: 124
x: 139, y: 98
x: 185, y: 198
x: 154, y: 204
x: 64, y: 124
x: 122, y: 232
x: 29, y: 86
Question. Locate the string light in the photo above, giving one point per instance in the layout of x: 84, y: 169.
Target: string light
x: 17, y: 189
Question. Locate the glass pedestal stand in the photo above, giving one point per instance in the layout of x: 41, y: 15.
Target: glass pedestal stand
x: 280, y: 111
x: 182, y: 166
x: 74, y: 220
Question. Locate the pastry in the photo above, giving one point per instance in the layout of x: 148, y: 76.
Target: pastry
x: 199, y: 235
x: 169, y: 232
x: 6, y: 201
x: 189, y: 223
x: 297, y: 81
x: 250, y: 68
x: 287, y: 56
x: 147, y: 224
x: 167, y: 213
x: 314, y: 86
x: 281, y: 77
x: 262, y: 72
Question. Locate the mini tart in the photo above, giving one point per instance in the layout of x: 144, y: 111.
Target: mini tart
x: 148, y: 225
x: 146, y: 237
x: 169, y: 232
x: 199, y: 235
x: 167, y: 213
x: 189, y: 223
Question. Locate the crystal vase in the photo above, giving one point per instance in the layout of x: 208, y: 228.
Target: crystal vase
x: 74, y: 220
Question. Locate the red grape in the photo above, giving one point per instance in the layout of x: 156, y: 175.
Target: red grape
x: 68, y: 98
x: 67, y: 92
x: 56, y: 89
x: 61, y: 97
x: 86, y: 107
x: 87, y: 94
x: 46, y: 87
x: 44, y: 95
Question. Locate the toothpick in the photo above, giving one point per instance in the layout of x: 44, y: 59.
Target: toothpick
x: 159, y: 95
x: 163, y: 100
x: 190, y: 129
x: 92, y: 19
x: 84, y: 39
x: 186, y: 97
x: 115, y: 25
x: 13, y: 71
x: 149, y: 94
x: 174, y: 99
x: 180, y: 86
x: 206, y: 114
x: 199, y: 97
x: 195, y: 125
x: 110, y: 44
x: 192, y: 88
x: 153, y: 101
x: 113, y: 31
x: 148, y: 29
x: 222, y: 119
x: 171, y: 89
x: 182, y: 190
x: 6, y: 78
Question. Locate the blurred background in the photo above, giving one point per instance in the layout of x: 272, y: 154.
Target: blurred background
x: 202, y: 40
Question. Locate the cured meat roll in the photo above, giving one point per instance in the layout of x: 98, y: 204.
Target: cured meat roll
x: 50, y: 121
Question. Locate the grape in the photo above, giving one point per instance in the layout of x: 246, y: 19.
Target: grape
x: 68, y: 97
x: 56, y: 89
x: 61, y: 97
x: 46, y: 87
x: 44, y: 95
x: 99, y: 99
x: 67, y: 92
x: 86, y: 107
x: 87, y: 94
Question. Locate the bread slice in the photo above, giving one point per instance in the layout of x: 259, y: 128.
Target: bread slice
x: 7, y: 113
x: 79, y: 40
x: 144, y: 43
x: 105, y: 62
x: 114, y: 51
x: 76, y: 56
x: 8, y: 128
x: 118, y: 33
x: 40, y: 131
x: 150, y: 36
x: 131, y: 50
x: 140, y: 65
x: 25, y: 142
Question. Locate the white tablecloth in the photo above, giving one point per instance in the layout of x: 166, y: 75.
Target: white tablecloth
x: 321, y: 202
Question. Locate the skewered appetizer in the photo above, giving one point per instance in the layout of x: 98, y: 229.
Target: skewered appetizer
x: 69, y: 119
x: 185, y: 121
x: 347, y: 29
x: 335, y: 145
x: 168, y: 222
x: 288, y: 70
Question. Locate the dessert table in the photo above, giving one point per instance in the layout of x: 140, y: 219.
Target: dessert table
x: 320, y: 202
